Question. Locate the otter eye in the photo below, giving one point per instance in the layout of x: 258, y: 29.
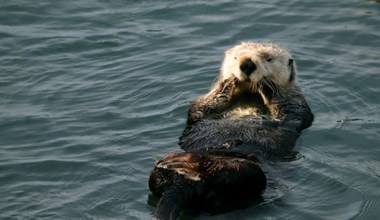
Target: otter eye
x: 269, y: 59
x: 235, y: 58
x: 290, y: 62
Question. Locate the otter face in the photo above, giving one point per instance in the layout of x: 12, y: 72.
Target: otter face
x: 257, y: 63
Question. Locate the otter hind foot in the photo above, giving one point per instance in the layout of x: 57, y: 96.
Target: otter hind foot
x: 203, y: 182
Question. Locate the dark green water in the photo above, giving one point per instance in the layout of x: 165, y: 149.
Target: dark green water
x: 92, y: 92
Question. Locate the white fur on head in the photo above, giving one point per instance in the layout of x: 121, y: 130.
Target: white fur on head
x: 271, y: 62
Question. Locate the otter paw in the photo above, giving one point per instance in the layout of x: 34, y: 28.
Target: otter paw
x: 228, y: 86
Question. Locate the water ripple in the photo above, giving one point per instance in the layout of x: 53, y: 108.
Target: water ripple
x: 93, y: 92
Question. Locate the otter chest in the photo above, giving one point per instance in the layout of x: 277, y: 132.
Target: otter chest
x: 247, y: 105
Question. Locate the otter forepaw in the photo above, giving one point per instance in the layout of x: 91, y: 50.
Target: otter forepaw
x: 229, y: 85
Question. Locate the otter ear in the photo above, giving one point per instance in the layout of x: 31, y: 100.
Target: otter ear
x: 292, y: 70
x: 290, y: 62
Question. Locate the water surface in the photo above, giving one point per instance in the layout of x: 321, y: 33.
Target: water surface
x: 92, y: 92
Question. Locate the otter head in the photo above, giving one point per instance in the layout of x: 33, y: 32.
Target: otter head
x: 259, y: 65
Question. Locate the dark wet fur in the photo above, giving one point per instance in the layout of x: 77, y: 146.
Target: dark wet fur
x: 224, y: 183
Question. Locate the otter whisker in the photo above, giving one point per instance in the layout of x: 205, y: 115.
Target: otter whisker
x: 268, y: 82
x: 214, y: 81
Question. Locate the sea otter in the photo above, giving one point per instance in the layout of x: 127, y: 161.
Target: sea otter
x: 255, y: 112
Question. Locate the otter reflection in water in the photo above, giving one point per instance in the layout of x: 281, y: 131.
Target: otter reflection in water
x: 255, y: 112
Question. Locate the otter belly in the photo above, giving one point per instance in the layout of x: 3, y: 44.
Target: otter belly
x: 241, y: 136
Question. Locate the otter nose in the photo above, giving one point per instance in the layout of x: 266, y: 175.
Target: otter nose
x: 248, y: 67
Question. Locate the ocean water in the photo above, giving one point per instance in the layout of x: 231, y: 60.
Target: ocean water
x: 93, y: 92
